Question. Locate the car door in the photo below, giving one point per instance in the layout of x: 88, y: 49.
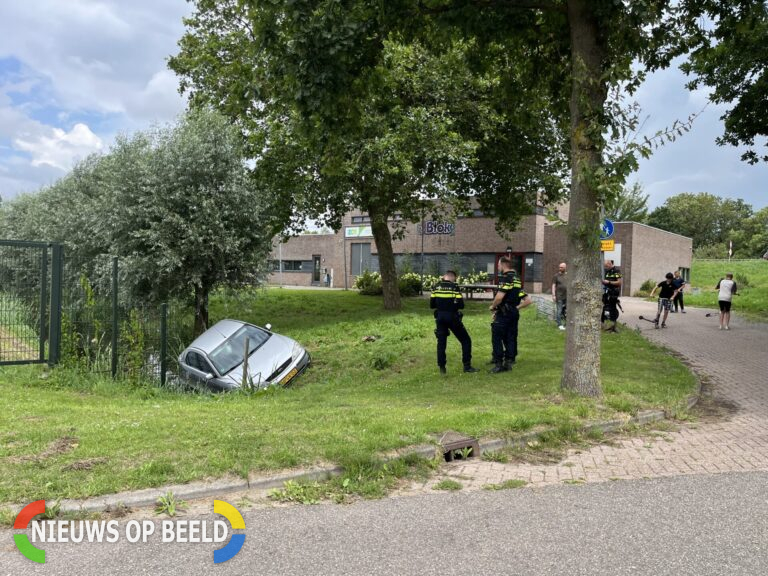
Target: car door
x: 200, y: 370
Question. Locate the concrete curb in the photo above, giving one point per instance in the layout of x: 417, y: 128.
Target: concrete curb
x: 148, y: 497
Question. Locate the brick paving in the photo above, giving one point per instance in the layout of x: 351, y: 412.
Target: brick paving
x: 731, y: 435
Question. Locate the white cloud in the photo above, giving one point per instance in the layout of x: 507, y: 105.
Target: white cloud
x: 77, y: 73
x: 61, y: 149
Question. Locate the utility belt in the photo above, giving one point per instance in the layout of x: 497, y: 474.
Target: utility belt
x: 455, y: 313
x: 507, y: 310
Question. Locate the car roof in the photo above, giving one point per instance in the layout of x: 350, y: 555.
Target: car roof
x: 216, y: 334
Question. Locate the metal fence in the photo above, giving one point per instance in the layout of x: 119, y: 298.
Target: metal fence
x: 30, y: 289
x: 77, y: 313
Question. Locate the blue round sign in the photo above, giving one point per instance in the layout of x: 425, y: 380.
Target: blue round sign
x: 606, y: 230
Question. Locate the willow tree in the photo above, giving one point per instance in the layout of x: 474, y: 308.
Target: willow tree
x: 176, y: 204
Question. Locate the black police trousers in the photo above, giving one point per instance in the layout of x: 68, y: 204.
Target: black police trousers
x: 447, y: 322
x: 504, y: 336
x: 610, y: 308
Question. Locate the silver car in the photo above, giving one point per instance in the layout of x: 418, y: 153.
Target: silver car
x: 215, y: 358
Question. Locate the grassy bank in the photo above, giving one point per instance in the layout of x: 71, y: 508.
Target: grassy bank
x: 752, y: 300
x: 68, y: 435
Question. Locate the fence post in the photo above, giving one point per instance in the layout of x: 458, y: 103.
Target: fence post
x: 43, y: 300
x: 115, y: 323
x: 163, y: 342
x: 54, y: 326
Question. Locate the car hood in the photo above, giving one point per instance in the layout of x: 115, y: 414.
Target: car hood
x: 272, y: 355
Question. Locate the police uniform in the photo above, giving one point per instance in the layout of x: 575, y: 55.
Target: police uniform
x: 505, y: 321
x: 447, y: 301
x: 611, y: 296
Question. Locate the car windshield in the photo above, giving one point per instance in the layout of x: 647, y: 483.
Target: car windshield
x: 230, y: 353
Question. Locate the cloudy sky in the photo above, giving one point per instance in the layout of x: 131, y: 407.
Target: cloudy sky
x: 74, y: 74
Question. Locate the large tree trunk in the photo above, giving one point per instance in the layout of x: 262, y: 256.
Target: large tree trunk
x: 383, y: 237
x: 201, y: 309
x: 581, y: 367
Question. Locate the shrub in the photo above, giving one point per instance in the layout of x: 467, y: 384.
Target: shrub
x: 369, y: 283
x: 430, y: 281
x: 410, y: 284
x: 645, y: 289
x: 742, y: 280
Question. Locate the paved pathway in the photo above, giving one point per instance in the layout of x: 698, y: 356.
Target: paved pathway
x: 730, y: 436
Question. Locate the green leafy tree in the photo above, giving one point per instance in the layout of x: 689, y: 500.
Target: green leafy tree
x: 703, y: 217
x: 424, y: 131
x: 175, y: 203
x: 730, y: 56
x: 750, y: 237
x: 629, y: 206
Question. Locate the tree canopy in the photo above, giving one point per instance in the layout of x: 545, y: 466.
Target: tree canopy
x: 713, y: 222
x: 629, y: 206
x: 419, y: 130
x: 730, y: 56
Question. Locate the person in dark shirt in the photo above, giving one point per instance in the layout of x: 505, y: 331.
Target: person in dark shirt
x: 611, y: 291
x: 667, y: 292
x: 507, y: 303
x: 679, y: 284
x: 447, y: 302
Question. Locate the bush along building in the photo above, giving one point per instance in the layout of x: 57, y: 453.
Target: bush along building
x: 471, y: 245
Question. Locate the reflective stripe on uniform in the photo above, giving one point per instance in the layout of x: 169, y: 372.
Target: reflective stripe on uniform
x: 445, y: 294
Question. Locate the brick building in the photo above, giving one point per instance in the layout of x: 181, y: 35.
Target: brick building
x: 472, y: 244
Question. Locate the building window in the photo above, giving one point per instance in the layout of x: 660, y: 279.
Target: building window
x: 360, y: 219
x: 288, y: 265
x: 360, y: 258
x: 476, y: 213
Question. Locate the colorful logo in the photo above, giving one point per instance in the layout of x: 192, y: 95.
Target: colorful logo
x: 236, y: 521
x: 22, y: 540
x: 193, y: 530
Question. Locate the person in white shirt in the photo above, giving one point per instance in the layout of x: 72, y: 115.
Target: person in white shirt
x: 727, y: 289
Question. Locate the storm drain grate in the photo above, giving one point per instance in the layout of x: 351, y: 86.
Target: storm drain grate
x: 457, y: 446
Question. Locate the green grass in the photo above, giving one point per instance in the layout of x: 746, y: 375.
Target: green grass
x: 449, y: 485
x: 752, y: 300
x: 64, y: 435
x: 506, y: 485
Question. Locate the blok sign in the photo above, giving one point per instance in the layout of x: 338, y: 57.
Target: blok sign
x: 100, y: 531
x: 431, y: 227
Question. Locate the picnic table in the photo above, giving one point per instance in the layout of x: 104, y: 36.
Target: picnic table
x: 470, y: 289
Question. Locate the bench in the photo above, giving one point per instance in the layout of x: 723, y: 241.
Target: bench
x: 471, y: 289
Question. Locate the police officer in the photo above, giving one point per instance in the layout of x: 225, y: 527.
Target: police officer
x: 611, y: 292
x: 507, y: 303
x: 447, y: 301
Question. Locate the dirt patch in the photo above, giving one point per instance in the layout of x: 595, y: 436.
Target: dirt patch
x: 56, y: 448
x: 86, y: 464
x: 711, y: 409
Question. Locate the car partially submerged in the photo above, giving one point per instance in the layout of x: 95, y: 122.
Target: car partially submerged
x: 216, y: 358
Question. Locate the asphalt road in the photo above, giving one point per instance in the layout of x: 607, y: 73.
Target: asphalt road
x: 702, y: 525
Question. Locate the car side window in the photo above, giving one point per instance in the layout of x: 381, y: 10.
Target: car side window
x: 196, y: 361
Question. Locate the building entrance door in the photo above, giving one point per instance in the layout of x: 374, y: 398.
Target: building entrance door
x: 315, y: 268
